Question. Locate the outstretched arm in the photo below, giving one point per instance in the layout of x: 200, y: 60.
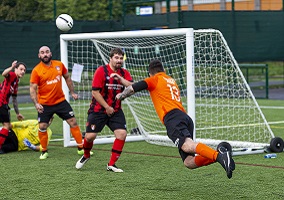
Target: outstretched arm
x: 31, y: 146
x: 126, y: 93
x: 131, y: 89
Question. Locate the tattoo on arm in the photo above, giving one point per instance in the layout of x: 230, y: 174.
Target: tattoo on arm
x: 15, y: 104
x: 128, y: 91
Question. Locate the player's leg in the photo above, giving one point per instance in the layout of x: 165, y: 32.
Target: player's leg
x: 187, y: 148
x: 193, y: 161
x: 5, y: 120
x: 117, y: 124
x: 87, y: 147
x: 76, y: 132
x: 11, y: 143
x: 65, y: 112
x: 95, y: 124
x: 180, y: 130
x: 207, y: 155
x: 201, y: 149
x: 4, y: 132
x: 43, y: 139
x: 44, y: 122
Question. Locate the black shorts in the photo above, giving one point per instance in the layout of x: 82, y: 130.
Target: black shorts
x: 11, y: 143
x: 63, y: 110
x: 179, y: 127
x: 5, y: 113
x: 97, y: 120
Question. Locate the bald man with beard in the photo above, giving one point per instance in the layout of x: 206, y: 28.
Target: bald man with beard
x: 48, y: 97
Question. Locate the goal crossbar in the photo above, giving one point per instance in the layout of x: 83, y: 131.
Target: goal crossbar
x: 213, y: 88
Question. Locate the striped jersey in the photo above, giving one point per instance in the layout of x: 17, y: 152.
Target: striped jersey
x: 108, y: 87
x: 8, y: 87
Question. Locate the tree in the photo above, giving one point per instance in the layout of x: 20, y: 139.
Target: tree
x: 20, y: 10
x: 44, y: 10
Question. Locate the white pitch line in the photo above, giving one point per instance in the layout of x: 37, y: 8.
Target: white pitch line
x: 279, y: 122
x: 272, y: 107
x: 268, y: 107
x: 25, y: 108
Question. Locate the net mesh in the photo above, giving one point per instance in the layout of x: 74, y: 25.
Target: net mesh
x: 225, y: 107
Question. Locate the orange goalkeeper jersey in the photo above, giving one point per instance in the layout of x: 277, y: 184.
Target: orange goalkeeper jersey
x: 49, y: 81
x: 164, y: 93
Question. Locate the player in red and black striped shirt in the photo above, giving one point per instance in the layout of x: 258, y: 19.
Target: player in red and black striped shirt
x: 9, y: 87
x: 105, y: 109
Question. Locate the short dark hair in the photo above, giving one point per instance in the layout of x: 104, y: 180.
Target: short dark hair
x: 21, y: 63
x: 116, y: 51
x: 156, y: 66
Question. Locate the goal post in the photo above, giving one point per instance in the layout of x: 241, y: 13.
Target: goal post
x: 213, y: 88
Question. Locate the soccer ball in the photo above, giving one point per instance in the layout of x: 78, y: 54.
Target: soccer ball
x: 64, y: 22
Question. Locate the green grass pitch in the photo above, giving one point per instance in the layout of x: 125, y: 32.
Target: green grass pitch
x: 151, y: 172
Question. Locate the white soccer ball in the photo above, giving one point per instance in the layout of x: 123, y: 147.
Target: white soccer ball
x: 64, y: 22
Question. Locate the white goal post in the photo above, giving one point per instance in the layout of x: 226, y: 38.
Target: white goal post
x: 213, y: 88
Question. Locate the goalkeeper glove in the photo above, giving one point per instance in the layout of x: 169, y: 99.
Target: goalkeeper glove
x: 28, y: 144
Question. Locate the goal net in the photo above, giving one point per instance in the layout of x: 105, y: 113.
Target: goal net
x: 213, y: 88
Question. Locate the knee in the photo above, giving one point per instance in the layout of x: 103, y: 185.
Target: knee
x: 188, y: 165
x: 189, y: 146
x: 42, y: 130
x: 7, y: 126
x: 90, y: 137
x: 120, y: 134
x: 189, y: 162
x: 72, y: 122
x: 42, y: 127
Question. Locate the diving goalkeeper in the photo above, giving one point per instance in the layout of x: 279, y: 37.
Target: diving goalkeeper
x: 165, y: 95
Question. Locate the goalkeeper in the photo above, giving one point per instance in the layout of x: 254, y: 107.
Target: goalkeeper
x: 22, y: 136
x: 165, y: 96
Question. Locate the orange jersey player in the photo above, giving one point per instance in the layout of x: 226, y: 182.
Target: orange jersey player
x: 49, y: 82
x: 165, y: 95
x: 48, y: 97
